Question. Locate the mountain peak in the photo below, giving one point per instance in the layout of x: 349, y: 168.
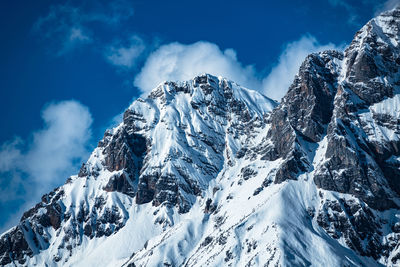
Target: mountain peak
x: 373, y: 58
x: 215, y: 93
x: 207, y: 83
x: 383, y: 29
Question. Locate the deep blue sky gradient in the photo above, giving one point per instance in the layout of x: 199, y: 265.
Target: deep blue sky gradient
x: 30, y: 76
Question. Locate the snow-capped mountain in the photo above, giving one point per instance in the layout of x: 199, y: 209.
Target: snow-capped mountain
x: 208, y: 173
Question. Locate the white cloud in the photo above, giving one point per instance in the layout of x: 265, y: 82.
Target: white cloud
x: 59, y: 147
x: 277, y: 82
x: 125, y: 55
x: 178, y: 61
x: 34, y: 167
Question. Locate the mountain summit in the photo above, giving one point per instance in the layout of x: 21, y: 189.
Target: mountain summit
x: 207, y: 173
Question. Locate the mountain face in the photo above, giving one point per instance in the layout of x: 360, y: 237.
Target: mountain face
x: 206, y: 172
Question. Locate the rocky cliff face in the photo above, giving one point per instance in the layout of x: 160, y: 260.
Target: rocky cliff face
x: 205, y: 172
x: 303, y: 113
x: 362, y: 152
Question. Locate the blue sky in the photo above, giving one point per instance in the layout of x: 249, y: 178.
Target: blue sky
x: 68, y: 68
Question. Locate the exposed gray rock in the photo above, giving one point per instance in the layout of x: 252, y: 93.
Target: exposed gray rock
x: 303, y: 113
x: 355, y: 164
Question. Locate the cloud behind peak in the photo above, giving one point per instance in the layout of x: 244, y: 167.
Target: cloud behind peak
x: 176, y: 61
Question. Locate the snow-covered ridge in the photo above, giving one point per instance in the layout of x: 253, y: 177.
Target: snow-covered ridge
x: 167, y: 150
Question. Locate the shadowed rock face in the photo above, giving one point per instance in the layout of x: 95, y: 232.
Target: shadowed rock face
x: 358, y: 226
x: 13, y: 247
x: 334, y: 96
x: 356, y: 161
x: 129, y: 150
x: 360, y: 160
x: 212, y: 100
x: 120, y: 183
x: 124, y: 151
x: 304, y: 113
x: 309, y: 102
x: 374, y: 55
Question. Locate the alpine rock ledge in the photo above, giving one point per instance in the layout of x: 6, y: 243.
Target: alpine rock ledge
x: 207, y: 173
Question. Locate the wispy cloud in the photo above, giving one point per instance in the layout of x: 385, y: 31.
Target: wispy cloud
x: 32, y: 167
x: 354, y: 10
x: 387, y: 5
x: 353, y: 17
x: 77, y: 35
x: 125, y: 54
x: 66, y: 26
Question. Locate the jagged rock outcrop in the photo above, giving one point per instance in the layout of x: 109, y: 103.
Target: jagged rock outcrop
x: 303, y: 113
x: 13, y: 247
x: 356, y: 154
